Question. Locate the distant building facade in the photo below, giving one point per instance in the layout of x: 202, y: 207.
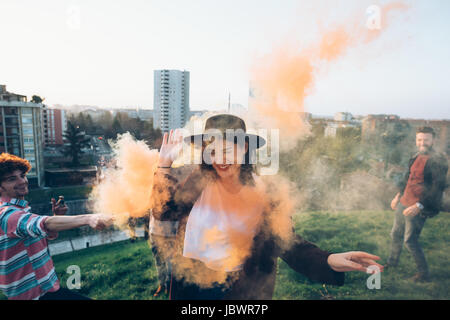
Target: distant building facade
x: 54, y: 125
x: 197, y: 113
x: 143, y: 114
x: 374, y: 122
x: 171, y: 99
x: 343, y: 116
x: 21, y: 132
x: 131, y: 113
x: 332, y: 125
x: 373, y: 125
x: 94, y: 113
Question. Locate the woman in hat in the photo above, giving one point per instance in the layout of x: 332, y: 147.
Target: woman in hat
x: 227, y: 233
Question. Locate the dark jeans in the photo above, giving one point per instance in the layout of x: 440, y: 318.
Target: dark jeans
x: 63, y: 294
x: 407, y: 230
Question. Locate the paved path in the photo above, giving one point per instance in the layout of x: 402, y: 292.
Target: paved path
x: 59, y: 247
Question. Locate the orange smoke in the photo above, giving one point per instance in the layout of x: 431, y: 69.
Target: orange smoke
x: 283, y: 79
x: 271, y: 202
x: 126, y: 190
x: 387, y: 13
x: 334, y: 43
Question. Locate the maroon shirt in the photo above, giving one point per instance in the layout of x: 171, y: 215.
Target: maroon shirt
x: 414, y: 187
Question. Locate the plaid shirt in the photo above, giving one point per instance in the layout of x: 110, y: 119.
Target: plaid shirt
x: 26, y: 268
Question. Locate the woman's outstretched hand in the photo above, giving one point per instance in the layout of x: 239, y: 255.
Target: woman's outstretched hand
x: 170, y: 148
x: 353, y: 261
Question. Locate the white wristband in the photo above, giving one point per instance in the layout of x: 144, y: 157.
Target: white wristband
x: 419, y: 205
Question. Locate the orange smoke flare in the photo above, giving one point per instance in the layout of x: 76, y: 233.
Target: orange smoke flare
x: 281, y: 81
x: 126, y: 190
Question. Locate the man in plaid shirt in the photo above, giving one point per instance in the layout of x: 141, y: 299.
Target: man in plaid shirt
x: 26, y: 268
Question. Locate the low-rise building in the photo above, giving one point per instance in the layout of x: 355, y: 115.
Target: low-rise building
x: 54, y: 125
x: 375, y: 125
x: 21, y: 132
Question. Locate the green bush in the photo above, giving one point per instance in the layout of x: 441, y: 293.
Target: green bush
x: 69, y: 193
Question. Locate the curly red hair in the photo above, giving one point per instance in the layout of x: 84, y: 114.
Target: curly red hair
x: 10, y: 163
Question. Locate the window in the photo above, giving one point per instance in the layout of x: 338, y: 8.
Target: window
x: 11, y: 121
x: 11, y: 131
x: 10, y: 111
x: 28, y: 131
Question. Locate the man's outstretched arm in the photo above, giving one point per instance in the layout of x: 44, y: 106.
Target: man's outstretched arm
x: 61, y: 223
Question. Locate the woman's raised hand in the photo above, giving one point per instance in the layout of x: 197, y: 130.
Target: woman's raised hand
x: 170, y: 148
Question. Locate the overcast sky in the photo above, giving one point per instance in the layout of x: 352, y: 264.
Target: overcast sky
x: 103, y: 52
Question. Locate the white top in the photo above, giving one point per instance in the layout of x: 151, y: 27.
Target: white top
x: 221, y: 227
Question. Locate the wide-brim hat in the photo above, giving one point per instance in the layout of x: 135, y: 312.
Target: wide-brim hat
x: 229, y: 126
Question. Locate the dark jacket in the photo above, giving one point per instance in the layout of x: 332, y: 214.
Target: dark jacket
x: 435, y: 182
x: 257, y: 279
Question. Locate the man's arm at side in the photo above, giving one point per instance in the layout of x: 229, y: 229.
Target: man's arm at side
x: 437, y: 173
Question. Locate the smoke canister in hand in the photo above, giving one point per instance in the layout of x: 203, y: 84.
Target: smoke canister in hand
x: 60, y: 201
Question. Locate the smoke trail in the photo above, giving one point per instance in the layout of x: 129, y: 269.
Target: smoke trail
x: 126, y: 190
x: 283, y: 79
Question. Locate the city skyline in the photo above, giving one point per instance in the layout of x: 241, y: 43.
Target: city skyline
x: 104, y: 54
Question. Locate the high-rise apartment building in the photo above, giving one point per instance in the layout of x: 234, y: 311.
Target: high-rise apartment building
x: 21, y: 132
x: 171, y: 99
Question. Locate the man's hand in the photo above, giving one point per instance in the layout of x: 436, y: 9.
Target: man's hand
x: 353, y: 261
x: 100, y: 221
x: 395, y: 201
x: 58, y: 210
x: 411, y: 211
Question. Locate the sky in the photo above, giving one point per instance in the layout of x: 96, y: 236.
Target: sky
x: 103, y: 53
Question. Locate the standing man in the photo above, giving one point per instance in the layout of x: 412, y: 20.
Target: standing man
x: 26, y: 268
x: 419, y: 198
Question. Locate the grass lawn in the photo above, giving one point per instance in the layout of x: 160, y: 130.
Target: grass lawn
x: 126, y: 270
x: 369, y: 231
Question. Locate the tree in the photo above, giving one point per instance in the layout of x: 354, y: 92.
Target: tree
x: 318, y: 165
x: 37, y: 99
x: 91, y: 128
x: 117, y: 125
x: 77, y: 141
x: 394, y: 144
x: 109, y: 126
